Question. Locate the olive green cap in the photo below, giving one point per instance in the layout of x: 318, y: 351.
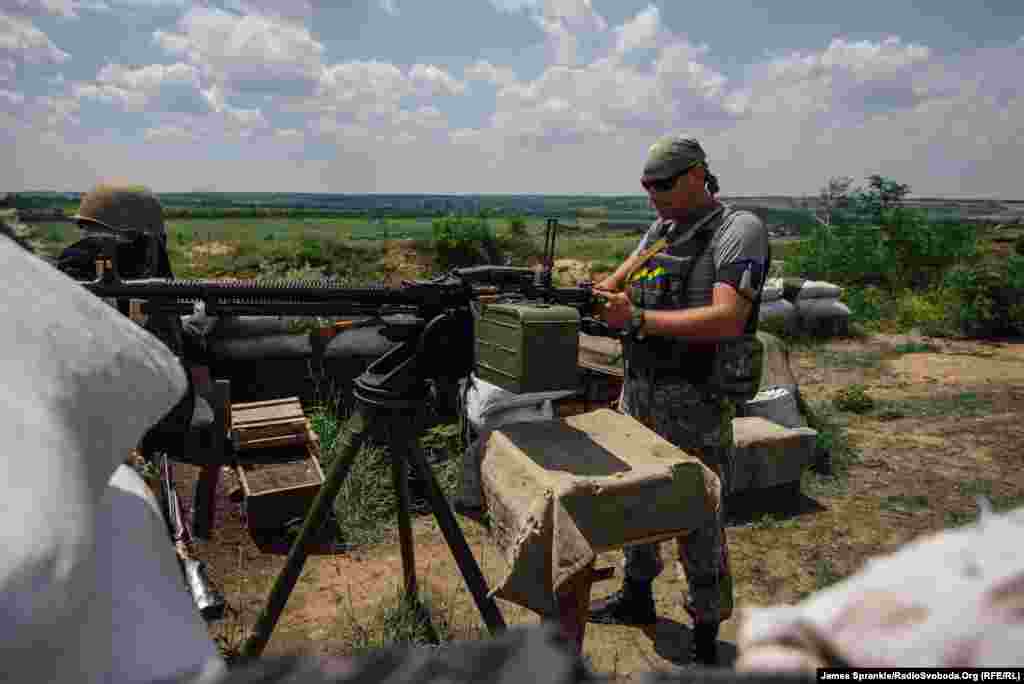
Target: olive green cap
x: 672, y: 155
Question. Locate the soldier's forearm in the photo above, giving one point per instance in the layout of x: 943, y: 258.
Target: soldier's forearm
x: 700, y: 323
x: 622, y: 272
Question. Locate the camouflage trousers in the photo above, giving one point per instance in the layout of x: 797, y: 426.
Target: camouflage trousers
x: 700, y: 424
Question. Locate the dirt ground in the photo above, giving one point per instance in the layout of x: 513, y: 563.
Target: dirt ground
x: 952, y: 430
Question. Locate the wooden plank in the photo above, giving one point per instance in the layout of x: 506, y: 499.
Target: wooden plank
x: 268, y: 413
x: 248, y: 435
x: 267, y: 402
x: 293, y: 439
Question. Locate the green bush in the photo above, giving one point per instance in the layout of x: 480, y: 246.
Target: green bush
x: 854, y: 399
x: 462, y: 240
x: 987, y: 300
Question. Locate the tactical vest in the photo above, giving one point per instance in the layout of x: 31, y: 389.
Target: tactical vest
x: 728, y: 367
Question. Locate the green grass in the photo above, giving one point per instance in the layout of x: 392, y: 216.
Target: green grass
x: 963, y: 405
x: 830, y: 425
x: 825, y: 574
x: 366, y: 507
x: 904, y: 503
x: 428, y: 621
x: 1000, y: 504
x: 768, y: 521
x: 847, y: 360
x: 915, y: 348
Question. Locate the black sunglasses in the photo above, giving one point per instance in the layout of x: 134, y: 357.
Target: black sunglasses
x: 665, y: 184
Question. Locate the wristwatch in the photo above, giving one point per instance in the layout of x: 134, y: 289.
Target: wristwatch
x: 636, y: 323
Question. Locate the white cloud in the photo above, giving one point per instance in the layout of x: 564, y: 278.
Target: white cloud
x: 244, y: 122
x: 642, y: 31
x: 485, y: 71
x: 21, y: 41
x: 35, y: 8
x: 286, y: 10
x: 164, y: 87
x: 562, y: 21
x: 247, y: 53
x: 173, y: 134
x: 389, y: 7
x: 10, y: 100
x: 429, y: 80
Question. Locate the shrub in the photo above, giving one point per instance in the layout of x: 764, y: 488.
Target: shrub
x: 462, y: 241
x: 926, y: 311
x: 854, y: 399
x: 987, y: 301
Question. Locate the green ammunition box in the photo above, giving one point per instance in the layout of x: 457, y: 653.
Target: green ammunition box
x: 525, y: 348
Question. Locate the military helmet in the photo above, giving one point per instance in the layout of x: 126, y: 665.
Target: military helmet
x: 122, y: 208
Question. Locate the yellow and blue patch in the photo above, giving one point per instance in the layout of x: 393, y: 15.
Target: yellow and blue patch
x: 650, y: 276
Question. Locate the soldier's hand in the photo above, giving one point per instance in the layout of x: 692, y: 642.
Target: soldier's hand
x: 609, y: 284
x: 616, y: 309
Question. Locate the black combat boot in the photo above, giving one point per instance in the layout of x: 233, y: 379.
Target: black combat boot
x: 631, y: 605
x: 704, y: 645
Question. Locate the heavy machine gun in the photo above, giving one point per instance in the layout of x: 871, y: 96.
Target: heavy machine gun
x: 393, y: 390
x: 450, y: 292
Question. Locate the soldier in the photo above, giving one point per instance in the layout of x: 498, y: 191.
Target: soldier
x: 134, y: 215
x: 691, y: 353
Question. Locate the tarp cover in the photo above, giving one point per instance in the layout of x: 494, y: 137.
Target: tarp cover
x: 559, y: 492
x: 950, y: 599
x: 82, y: 383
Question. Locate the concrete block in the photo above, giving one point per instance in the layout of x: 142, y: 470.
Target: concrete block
x: 766, y: 454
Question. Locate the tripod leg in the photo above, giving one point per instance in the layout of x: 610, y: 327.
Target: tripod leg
x: 457, y: 542
x: 400, y: 473
x: 357, y: 428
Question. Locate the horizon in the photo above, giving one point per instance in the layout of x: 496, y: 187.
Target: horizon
x: 508, y: 97
x: 721, y: 196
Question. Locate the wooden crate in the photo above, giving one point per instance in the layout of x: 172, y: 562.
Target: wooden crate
x: 268, y: 424
x: 280, y: 482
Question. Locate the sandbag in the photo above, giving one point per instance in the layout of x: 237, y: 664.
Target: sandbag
x: 488, y: 407
x: 780, y: 313
x: 772, y: 291
x: 777, y: 404
x: 82, y: 384
x: 791, y: 288
x: 263, y: 348
x: 823, y: 317
x: 819, y: 289
x: 232, y: 327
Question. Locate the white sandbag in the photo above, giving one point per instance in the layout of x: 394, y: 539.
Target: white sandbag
x: 949, y: 599
x: 486, y: 403
x: 771, y: 291
x: 819, y: 289
x: 776, y: 404
x: 489, y: 407
x: 82, y: 384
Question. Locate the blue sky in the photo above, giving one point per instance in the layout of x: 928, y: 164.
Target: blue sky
x: 509, y: 96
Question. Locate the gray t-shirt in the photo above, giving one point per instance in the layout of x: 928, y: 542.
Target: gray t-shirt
x: 739, y: 243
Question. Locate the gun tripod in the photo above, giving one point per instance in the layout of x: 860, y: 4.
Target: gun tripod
x: 393, y: 389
